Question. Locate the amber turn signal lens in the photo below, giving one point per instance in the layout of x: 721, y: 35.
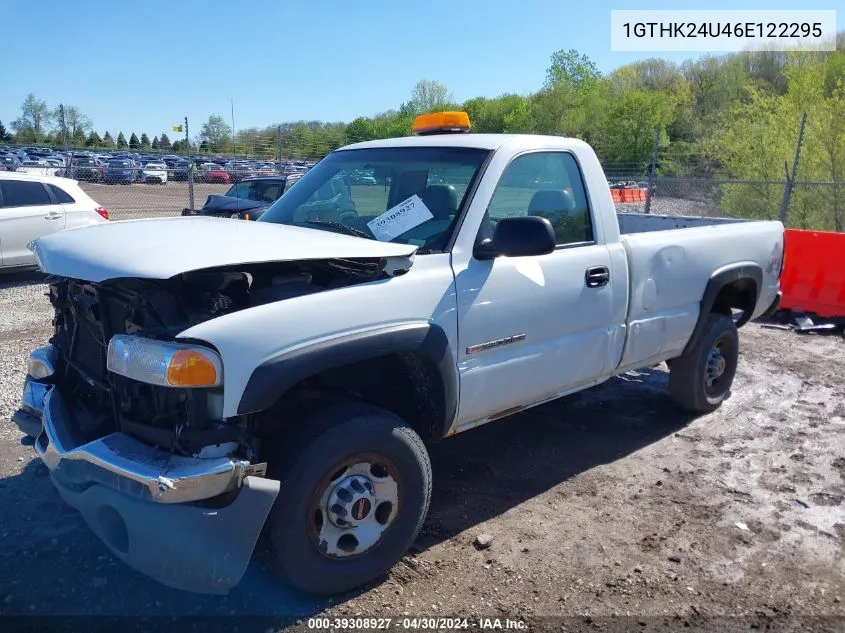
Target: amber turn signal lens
x: 190, y: 368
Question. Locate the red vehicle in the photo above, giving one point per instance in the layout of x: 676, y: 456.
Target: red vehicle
x: 210, y: 172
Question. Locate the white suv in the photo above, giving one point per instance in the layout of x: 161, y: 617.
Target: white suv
x: 32, y: 206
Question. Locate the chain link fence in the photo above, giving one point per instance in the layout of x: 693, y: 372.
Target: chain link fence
x: 136, y: 183
x: 157, y: 192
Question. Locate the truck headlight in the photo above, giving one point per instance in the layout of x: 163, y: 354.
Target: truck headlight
x: 164, y: 363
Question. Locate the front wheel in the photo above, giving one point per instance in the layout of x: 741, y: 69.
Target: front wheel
x: 355, y: 490
x: 700, y: 380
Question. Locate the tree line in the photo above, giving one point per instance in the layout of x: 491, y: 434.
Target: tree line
x: 41, y: 125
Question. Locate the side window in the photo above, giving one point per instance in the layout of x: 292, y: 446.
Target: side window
x: 547, y: 184
x: 61, y: 195
x: 240, y: 190
x: 24, y: 193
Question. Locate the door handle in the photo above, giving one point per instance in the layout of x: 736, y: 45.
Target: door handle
x: 53, y: 215
x: 597, y: 276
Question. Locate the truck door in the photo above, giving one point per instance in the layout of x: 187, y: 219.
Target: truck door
x: 534, y: 327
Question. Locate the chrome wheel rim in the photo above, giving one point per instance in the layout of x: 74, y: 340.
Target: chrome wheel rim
x: 353, y: 508
x: 715, y: 372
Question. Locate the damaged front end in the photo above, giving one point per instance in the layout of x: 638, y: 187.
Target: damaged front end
x: 91, y: 319
x: 141, y: 448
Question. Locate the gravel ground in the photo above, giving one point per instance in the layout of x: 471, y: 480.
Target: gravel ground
x: 611, y: 509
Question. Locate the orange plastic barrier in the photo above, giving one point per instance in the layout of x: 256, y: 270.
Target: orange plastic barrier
x: 813, y: 278
x: 628, y: 195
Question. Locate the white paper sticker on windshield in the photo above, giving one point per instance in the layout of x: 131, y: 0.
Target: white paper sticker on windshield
x: 399, y: 219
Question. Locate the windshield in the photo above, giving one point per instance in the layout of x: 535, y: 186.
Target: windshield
x: 409, y: 195
x: 258, y: 190
x: 118, y: 164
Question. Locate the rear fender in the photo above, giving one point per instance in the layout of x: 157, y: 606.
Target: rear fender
x: 721, y: 278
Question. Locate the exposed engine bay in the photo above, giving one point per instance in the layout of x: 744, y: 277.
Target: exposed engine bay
x: 181, y: 420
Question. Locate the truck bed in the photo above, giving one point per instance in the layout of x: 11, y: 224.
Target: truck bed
x: 647, y: 222
x: 669, y: 270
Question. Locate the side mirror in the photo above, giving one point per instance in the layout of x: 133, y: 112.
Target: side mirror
x: 518, y: 237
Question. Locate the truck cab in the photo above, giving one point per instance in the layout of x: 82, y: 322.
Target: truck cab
x: 289, y: 373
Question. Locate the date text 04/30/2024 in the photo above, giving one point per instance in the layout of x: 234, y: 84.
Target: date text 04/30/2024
x: 417, y: 623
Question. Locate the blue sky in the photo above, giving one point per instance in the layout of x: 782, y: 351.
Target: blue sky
x: 142, y: 66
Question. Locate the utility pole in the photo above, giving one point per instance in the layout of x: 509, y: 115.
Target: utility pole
x: 232, y: 101
x: 279, y: 147
x: 67, y: 170
x: 190, y: 166
x: 790, y: 179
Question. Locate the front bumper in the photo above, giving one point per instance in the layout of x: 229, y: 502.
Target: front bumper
x: 140, y: 501
x: 186, y: 547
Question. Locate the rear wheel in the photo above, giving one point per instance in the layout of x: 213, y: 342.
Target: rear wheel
x: 355, y: 490
x: 700, y: 380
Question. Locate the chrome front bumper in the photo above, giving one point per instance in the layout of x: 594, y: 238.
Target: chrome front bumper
x: 135, y: 498
x: 117, y: 460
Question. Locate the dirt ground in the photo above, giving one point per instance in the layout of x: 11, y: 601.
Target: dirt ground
x: 607, y: 511
x: 132, y: 202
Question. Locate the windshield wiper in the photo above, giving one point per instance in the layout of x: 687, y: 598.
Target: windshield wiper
x: 342, y: 227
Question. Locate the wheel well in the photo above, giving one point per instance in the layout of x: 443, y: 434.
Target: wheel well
x: 405, y: 383
x: 735, y: 287
x: 740, y: 294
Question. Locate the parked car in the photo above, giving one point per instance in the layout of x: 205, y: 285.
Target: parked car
x: 266, y: 169
x: 38, y: 167
x: 87, y: 169
x: 32, y: 206
x: 180, y: 169
x: 240, y: 171
x: 212, y: 172
x: 363, y: 178
x: 245, y: 200
x: 120, y: 171
x: 10, y: 161
x: 288, y: 372
x: 154, y: 173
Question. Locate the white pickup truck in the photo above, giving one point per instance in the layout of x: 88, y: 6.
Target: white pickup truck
x: 210, y: 378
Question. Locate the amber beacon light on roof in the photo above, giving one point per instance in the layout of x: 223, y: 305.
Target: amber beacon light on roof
x: 441, y: 123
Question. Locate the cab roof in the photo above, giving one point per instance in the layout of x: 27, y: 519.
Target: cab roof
x: 18, y: 175
x: 477, y: 141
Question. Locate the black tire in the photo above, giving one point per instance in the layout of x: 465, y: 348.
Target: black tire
x: 691, y: 385
x: 305, y: 465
